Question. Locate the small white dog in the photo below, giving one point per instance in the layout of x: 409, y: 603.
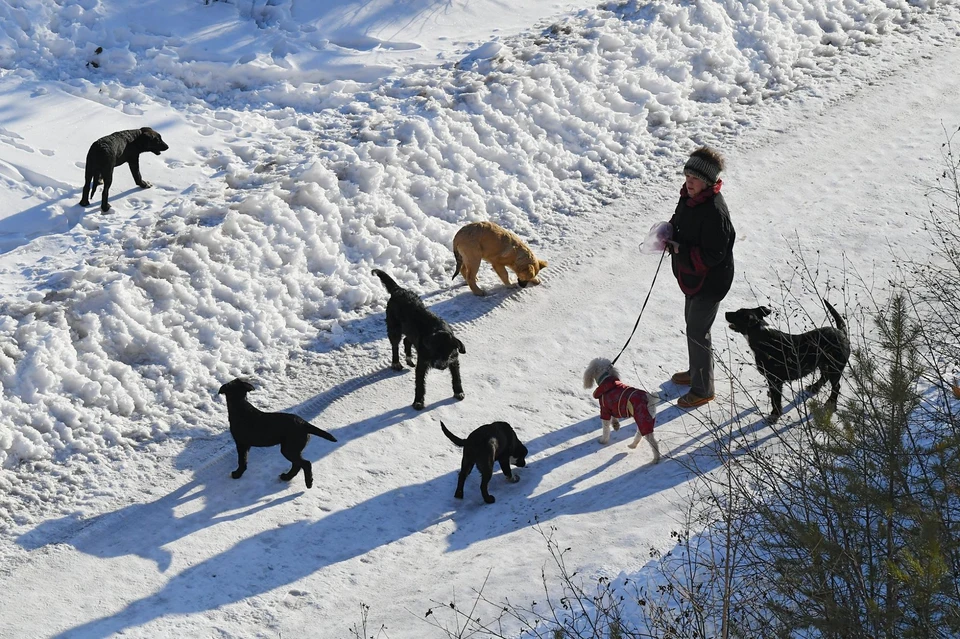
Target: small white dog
x: 617, y: 400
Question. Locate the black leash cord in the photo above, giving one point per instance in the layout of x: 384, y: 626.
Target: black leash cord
x: 647, y: 299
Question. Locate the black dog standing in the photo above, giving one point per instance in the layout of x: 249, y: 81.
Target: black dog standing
x: 250, y: 426
x: 111, y: 151
x: 495, y: 442
x: 782, y: 357
x: 436, y: 345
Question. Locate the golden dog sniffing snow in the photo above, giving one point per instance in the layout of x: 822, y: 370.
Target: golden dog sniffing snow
x: 488, y: 241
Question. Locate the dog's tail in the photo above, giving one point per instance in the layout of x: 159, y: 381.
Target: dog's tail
x: 313, y: 430
x: 319, y: 432
x: 94, y: 181
x: 838, y: 320
x: 388, y: 282
x: 459, y: 265
x: 456, y: 440
x: 652, y: 400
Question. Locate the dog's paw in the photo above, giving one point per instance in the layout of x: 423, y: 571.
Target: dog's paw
x: 145, y: 185
x: 237, y: 474
x: 84, y: 202
x: 513, y: 479
x: 772, y: 418
x: 615, y: 424
x: 411, y: 363
x: 458, y: 494
x: 418, y: 405
x: 459, y: 395
x: 397, y: 366
x: 604, y: 440
x: 489, y: 499
x: 105, y: 208
x: 656, y: 458
x: 633, y: 445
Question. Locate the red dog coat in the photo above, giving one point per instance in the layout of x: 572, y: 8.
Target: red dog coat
x: 621, y: 401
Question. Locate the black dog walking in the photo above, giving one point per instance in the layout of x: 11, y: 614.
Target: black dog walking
x: 437, y: 347
x: 250, y: 426
x: 109, y: 152
x: 495, y: 442
x: 782, y: 357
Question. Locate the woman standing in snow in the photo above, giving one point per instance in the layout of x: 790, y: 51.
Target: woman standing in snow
x: 702, y: 255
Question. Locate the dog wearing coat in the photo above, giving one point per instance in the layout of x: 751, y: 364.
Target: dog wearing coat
x: 619, y: 401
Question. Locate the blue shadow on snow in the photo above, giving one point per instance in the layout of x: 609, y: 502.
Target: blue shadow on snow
x: 252, y: 567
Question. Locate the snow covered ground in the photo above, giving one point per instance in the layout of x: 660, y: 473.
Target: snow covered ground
x: 308, y: 146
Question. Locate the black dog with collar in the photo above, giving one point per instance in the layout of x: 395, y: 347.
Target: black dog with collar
x: 782, y: 357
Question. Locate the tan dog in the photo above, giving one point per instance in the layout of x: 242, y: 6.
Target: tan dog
x: 495, y: 244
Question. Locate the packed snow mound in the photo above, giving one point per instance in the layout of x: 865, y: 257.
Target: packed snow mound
x: 304, y: 184
x: 243, y: 54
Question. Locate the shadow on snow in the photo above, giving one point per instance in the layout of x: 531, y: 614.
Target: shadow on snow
x: 253, y: 566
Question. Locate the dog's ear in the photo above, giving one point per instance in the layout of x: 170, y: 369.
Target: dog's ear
x: 461, y: 348
x: 589, y: 375
x: 542, y: 264
x: 521, y: 453
x: 764, y: 311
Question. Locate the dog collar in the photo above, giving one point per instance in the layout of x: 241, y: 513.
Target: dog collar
x: 603, y: 377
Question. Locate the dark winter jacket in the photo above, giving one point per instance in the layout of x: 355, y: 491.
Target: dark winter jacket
x: 621, y: 401
x: 704, y: 264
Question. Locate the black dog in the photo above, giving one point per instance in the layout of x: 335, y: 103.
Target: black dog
x: 436, y: 345
x: 782, y: 357
x: 251, y: 426
x: 487, y: 444
x: 111, y: 151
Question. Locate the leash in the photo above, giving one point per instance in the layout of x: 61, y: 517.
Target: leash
x: 647, y: 299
